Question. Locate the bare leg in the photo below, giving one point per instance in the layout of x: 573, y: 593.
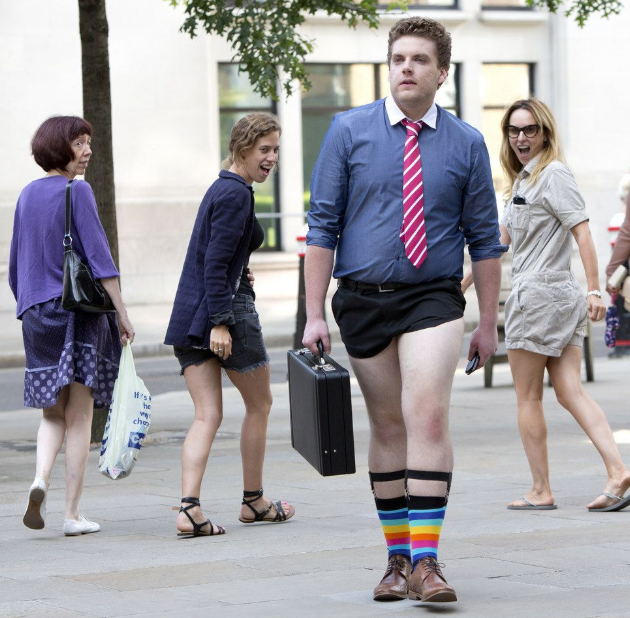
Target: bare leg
x: 428, y: 359
x: 380, y: 382
x: 528, y: 369
x: 565, y: 375
x: 78, y: 415
x: 204, y: 385
x: 52, y: 431
x: 255, y: 390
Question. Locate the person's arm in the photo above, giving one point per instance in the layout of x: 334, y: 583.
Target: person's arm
x: 318, y: 267
x: 485, y: 339
x: 468, y: 280
x: 481, y: 229
x: 112, y: 287
x: 582, y: 234
x: 329, y: 191
x: 621, y: 252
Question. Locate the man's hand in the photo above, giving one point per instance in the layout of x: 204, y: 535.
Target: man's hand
x: 484, y: 340
x: 316, y: 330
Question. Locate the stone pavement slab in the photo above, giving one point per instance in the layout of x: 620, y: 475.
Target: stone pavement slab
x: 566, y: 563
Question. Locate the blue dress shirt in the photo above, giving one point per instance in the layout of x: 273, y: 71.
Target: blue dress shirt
x: 356, y: 196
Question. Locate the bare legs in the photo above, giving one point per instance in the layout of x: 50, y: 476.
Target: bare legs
x: 407, y: 393
x: 70, y: 417
x: 204, y: 384
x: 528, y: 374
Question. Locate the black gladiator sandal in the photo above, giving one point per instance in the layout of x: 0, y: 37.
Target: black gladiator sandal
x: 249, y: 497
x: 197, y: 528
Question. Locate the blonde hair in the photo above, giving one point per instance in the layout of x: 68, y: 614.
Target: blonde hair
x: 245, y: 133
x: 551, y: 149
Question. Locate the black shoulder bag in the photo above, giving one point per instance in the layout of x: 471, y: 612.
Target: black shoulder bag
x: 81, y: 291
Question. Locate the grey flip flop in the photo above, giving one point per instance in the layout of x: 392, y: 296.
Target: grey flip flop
x: 621, y: 503
x: 530, y: 506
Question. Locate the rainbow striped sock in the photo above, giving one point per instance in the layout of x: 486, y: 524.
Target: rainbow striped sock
x: 395, y: 521
x: 426, y: 515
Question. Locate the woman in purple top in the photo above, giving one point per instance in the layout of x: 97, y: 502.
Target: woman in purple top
x: 71, y: 358
x: 214, y: 326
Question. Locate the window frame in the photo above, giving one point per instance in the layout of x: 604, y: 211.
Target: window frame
x: 272, y: 108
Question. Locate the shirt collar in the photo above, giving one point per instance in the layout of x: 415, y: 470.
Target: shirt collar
x: 395, y: 115
x: 233, y: 176
x: 531, y: 166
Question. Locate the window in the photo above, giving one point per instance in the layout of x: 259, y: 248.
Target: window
x: 427, y: 4
x: 339, y: 87
x: 501, y: 85
x: 237, y: 98
x: 506, y: 4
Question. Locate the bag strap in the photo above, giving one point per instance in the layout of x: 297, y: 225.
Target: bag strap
x: 67, y: 239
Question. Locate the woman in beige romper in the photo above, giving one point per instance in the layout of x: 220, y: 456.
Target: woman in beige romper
x: 546, y: 313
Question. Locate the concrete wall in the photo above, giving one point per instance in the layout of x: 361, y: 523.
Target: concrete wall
x: 165, y: 110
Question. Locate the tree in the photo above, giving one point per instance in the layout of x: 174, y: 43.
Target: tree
x: 97, y: 109
x: 263, y: 33
x: 267, y: 46
x: 581, y: 10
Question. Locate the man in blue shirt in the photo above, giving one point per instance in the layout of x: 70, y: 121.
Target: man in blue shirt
x: 399, y: 303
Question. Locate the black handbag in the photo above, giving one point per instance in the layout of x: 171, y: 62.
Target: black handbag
x: 81, y: 291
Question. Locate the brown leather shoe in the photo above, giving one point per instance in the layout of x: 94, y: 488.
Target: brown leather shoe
x: 427, y: 583
x: 394, y: 584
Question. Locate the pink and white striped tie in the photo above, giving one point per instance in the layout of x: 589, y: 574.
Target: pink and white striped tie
x: 413, y: 231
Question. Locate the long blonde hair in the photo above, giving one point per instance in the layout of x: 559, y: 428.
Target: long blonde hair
x: 245, y: 133
x: 551, y: 150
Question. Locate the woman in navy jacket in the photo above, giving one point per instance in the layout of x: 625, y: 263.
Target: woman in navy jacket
x: 214, y: 325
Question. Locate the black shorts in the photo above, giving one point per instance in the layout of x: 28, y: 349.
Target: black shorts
x: 369, y: 320
x: 248, y: 347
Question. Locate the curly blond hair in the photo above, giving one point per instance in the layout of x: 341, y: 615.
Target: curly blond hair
x: 245, y: 133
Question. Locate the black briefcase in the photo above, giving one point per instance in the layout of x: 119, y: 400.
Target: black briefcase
x: 321, y: 412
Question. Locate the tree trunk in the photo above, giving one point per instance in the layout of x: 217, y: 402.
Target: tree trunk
x: 97, y: 109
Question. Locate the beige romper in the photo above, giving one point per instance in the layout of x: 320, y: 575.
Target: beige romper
x: 546, y: 310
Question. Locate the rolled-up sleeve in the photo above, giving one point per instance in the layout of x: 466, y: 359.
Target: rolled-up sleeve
x: 479, y: 209
x: 329, y: 189
x: 563, y: 198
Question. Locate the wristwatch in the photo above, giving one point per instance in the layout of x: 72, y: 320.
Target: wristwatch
x: 594, y: 293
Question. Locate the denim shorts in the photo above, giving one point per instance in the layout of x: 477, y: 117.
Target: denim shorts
x: 248, y: 348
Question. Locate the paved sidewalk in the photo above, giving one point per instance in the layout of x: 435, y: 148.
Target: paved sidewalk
x: 567, y: 563
x: 276, y: 287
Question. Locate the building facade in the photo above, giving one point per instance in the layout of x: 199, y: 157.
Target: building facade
x: 175, y: 99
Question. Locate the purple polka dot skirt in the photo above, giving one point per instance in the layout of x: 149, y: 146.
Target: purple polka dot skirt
x: 63, y: 347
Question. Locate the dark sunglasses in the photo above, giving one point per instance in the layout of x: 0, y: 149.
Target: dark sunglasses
x: 531, y: 130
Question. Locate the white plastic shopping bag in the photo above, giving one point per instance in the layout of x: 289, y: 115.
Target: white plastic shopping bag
x: 128, y: 421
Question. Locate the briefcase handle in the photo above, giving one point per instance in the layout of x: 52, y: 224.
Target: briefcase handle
x: 320, y: 348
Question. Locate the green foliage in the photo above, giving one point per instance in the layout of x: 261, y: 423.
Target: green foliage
x: 264, y: 36
x: 581, y: 10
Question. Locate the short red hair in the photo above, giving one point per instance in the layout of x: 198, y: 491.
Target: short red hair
x: 50, y: 145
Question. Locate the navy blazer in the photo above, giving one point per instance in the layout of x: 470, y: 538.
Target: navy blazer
x: 214, y: 261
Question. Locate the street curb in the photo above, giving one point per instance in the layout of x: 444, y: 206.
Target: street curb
x: 13, y: 360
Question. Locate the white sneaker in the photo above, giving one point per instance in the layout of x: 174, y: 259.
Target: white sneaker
x: 72, y: 527
x: 35, y: 514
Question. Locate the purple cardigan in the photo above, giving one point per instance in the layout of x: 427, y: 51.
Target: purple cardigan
x: 36, y: 255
